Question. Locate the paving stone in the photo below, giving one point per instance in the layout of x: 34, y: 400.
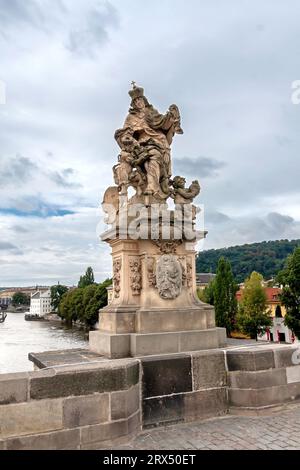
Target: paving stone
x: 230, y: 432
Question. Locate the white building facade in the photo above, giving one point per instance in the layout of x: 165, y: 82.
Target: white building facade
x: 40, y: 303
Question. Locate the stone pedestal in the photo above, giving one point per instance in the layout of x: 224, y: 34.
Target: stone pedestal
x: 155, y: 307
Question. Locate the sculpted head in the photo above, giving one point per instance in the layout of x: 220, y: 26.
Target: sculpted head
x: 139, y: 103
x: 179, y: 182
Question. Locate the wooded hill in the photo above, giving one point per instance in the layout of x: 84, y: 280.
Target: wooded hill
x: 267, y: 258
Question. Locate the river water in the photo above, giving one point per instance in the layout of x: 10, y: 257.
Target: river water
x: 19, y: 337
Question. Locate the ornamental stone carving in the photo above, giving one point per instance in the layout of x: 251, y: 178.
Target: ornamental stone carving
x: 117, y: 264
x: 167, y: 247
x: 168, y: 277
x: 151, y: 271
x: 135, y: 276
x: 189, y: 273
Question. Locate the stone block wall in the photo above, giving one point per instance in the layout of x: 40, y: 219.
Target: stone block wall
x: 261, y: 378
x: 106, y: 402
x: 183, y: 387
x: 70, y: 407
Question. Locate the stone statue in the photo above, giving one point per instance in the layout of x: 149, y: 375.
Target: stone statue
x: 168, y: 277
x: 183, y: 195
x: 145, y: 140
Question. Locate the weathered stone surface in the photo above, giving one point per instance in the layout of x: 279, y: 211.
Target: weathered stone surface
x: 208, y: 369
x: 222, y: 337
x: 125, y: 403
x: 158, y: 343
x: 259, y: 397
x: 60, y: 440
x: 168, y: 320
x: 110, y: 345
x: 163, y: 410
x: 119, y: 322
x: 62, y: 357
x: 80, y: 411
x: 257, y: 379
x: 250, y: 359
x: 84, y: 381
x: 30, y: 417
x: 2, y: 445
x: 204, y: 403
x: 134, y: 423
x: 102, y: 432
x: 197, y: 340
x: 174, y: 342
x: 283, y: 356
x: 13, y: 388
x: 166, y: 375
x: 293, y: 374
x: 294, y: 391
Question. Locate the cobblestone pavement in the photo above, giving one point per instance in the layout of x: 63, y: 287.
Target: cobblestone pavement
x: 279, y: 430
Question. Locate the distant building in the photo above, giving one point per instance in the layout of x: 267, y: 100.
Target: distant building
x: 204, y: 279
x: 278, y: 332
x: 40, y: 303
x: 7, y: 294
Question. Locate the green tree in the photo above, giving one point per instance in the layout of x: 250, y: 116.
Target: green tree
x: 224, y: 296
x: 66, y: 309
x: 19, y: 298
x: 57, y: 292
x: 207, y: 294
x: 94, y: 298
x: 253, y: 316
x: 289, y: 277
x: 83, y: 303
x: 87, y: 279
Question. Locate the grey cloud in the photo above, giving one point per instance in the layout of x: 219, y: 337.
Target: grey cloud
x: 10, y: 247
x: 25, y: 11
x: 7, y: 246
x: 216, y: 217
x: 61, y: 179
x: 239, y: 230
x: 19, y: 170
x: 16, y: 170
x: 276, y: 220
x: 19, y: 229
x: 94, y: 32
x: 201, y: 167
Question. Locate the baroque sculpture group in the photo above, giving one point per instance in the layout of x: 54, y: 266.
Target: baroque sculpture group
x: 154, y: 279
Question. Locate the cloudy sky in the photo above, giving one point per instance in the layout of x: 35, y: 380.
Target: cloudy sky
x: 67, y: 67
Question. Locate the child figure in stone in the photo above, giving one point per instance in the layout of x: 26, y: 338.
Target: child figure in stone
x: 183, y: 195
x: 130, y: 150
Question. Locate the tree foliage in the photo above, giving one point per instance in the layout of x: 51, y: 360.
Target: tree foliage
x: 207, y: 294
x: 268, y: 258
x: 289, y: 277
x: 87, y: 279
x: 83, y: 303
x: 19, y: 298
x: 223, y: 293
x: 253, y: 316
x: 56, y: 295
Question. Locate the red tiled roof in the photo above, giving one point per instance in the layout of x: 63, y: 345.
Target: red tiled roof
x: 272, y: 294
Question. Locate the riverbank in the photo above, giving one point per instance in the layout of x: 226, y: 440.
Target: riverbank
x: 19, y: 337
